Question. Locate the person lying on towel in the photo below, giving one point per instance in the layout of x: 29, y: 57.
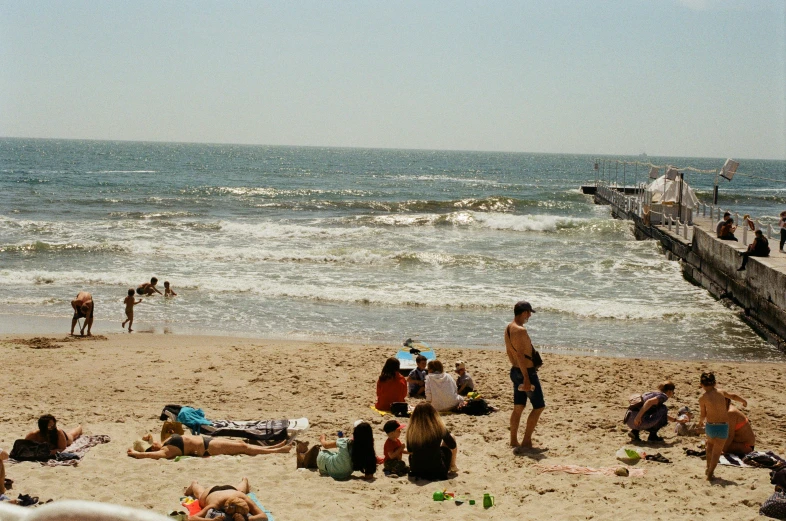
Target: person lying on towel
x: 203, y: 446
x: 231, y: 501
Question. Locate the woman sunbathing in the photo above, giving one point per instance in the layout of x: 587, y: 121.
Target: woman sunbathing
x: 232, y: 501
x: 203, y: 446
x: 58, y: 439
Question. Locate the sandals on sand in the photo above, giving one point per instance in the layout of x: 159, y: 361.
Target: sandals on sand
x: 660, y: 458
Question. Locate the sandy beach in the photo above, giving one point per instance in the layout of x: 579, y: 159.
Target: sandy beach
x: 118, y: 384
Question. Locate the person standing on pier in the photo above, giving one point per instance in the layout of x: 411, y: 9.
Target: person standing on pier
x: 783, y: 230
x: 524, y: 375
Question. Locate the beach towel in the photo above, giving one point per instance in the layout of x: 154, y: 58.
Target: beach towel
x: 755, y: 459
x: 192, y: 505
x: 589, y: 471
x: 266, y: 432
x: 383, y: 413
x: 79, y: 448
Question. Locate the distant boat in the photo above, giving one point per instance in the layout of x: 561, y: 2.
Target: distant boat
x: 643, y: 155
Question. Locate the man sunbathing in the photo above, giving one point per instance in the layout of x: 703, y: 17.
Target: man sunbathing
x: 232, y: 501
x: 203, y: 446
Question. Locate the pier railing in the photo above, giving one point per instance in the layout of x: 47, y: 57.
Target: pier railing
x: 640, y: 203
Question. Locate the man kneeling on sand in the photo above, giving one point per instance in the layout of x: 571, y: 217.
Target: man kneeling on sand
x: 230, y: 501
x: 715, y: 411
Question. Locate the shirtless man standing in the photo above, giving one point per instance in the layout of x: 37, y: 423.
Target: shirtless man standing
x: 232, y: 501
x: 523, y: 374
x: 715, y: 412
x: 83, y: 308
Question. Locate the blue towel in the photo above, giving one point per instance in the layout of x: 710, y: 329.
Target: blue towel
x: 255, y: 499
x: 193, y: 419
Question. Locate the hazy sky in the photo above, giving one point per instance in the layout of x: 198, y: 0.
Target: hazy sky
x: 669, y: 77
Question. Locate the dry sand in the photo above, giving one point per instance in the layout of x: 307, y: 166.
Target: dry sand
x: 118, y: 386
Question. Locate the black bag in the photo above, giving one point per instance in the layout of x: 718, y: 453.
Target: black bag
x: 476, y: 407
x: 400, y: 409
x: 28, y: 450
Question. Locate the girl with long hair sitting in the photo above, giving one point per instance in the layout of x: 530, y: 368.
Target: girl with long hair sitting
x: 58, y: 439
x: 356, y: 453
x: 432, y: 449
x: 391, y: 386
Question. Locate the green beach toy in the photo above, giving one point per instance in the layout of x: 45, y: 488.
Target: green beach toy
x: 471, y: 501
x: 439, y: 495
x: 488, y: 500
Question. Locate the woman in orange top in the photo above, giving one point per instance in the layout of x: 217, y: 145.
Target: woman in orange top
x: 391, y: 386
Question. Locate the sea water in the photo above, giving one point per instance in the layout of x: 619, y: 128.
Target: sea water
x: 356, y: 245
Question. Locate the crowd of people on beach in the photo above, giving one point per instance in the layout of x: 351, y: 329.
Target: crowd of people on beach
x: 428, y: 445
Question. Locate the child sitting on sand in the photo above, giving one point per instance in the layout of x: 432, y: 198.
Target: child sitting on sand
x: 394, y: 449
x: 168, y: 290
x: 417, y: 377
x: 130, y: 303
x: 464, y: 382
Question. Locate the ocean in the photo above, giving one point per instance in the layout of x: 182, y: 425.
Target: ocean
x: 356, y: 245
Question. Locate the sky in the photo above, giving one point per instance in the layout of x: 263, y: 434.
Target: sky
x: 692, y: 78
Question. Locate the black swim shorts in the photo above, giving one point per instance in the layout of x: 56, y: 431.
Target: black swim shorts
x: 520, y: 397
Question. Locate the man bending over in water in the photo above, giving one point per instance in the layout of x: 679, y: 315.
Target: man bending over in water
x: 714, y: 410
x: 232, y: 501
x: 83, y: 308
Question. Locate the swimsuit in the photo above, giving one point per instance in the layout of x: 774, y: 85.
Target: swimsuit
x: 140, y: 290
x: 218, y: 488
x: 742, y: 424
x: 176, y: 440
x: 717, y: 430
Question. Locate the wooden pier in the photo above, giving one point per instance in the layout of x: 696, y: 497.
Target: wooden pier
x: 759, y: 291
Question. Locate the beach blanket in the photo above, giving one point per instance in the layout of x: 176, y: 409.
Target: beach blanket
x: 383, y: 413
x: 589, y: 471
x: 755, y: 459
x: 79, y: 448
x: 266, y: 432
x: 192, y: 505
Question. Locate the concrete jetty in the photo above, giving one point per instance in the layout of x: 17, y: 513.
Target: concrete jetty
x: 759, y: 291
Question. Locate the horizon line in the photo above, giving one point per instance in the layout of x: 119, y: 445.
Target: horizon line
x: 348, y: 147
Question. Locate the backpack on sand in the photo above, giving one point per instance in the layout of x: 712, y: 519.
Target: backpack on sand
x: 28, y: 450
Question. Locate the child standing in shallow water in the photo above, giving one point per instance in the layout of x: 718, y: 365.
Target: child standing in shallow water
x: 168, y: 291
x: 715, y: 411
x: 130, y: 303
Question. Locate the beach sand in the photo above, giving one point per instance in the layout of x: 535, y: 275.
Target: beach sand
x: 118, y: 386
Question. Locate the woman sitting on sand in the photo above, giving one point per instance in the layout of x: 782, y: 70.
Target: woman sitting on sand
x: 356, y: 453
x: 741, y: 436
x: 652, y: 413
x: 432, y: 449
x: 391, y: 386
x: 58, y: 439
x: 203, y: 446
x: 441, y: 389
x: 232, y: 501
